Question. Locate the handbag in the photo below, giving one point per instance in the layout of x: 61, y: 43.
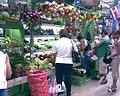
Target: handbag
x: 75, y: 55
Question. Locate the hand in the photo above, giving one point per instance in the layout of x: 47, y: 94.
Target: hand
x: 108, y: 57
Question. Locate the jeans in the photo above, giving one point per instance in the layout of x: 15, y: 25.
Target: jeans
x: 3, y: 92
x: 64, y: 72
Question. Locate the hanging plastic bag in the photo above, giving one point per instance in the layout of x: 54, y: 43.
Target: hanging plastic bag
x: 52, y: 86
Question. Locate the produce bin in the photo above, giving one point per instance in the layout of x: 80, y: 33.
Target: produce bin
x: 78, y: 80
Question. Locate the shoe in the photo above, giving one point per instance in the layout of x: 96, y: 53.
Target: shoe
x: 111, y: 90
x: 59, y: 88
x: 104, y: 81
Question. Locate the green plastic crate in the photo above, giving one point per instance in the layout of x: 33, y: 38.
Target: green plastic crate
x: 79, y: 81
x: 20, y: 90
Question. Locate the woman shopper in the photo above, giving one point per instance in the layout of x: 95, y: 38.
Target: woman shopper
x: 5, y: 73
x: 115, y: 55
x: 62, y: 49
x: 88, y: 53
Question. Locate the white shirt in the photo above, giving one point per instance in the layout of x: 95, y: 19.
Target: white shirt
x: 63, y: 49
x: 3, y: 82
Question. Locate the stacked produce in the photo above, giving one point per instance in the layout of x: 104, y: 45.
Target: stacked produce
x: 42, y: 62
x: 89, y: 16
x: 6, y: 16
x: 30, y: 17
x: 20, y: 70
x: 58, y: 11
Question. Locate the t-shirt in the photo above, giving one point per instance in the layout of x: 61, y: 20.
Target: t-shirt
x: 3, y: 82
x: 63, y: 49
x: 101, y: 50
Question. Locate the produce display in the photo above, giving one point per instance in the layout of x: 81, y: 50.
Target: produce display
x: 44, y: 45
x: 89, y: 16
x: 31, y: 17
x: 6, y: 16
x: 43, y: 61
x: 58, y: 11
x: 52, y: 13
x: 20, y: 70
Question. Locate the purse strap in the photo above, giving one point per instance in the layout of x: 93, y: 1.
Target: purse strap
x: 72, y: 44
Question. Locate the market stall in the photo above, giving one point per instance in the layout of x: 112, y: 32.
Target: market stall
x: 29, y: 33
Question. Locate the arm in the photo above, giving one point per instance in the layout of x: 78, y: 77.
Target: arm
x: 54, y: 50
x: 8, y: 67
x: 117, y: 50
x: 98, y: 43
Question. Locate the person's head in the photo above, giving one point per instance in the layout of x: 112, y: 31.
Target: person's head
x: 116, y: 34
x: 104, y: 33
x: 111, y: 35
x: 79, y: 37
x: 63, y: 33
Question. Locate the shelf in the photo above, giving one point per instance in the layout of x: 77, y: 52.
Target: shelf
x: 17, y: 81
x: 23, y: 80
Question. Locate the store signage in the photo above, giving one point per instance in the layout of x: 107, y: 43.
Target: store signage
x: 90, y: 2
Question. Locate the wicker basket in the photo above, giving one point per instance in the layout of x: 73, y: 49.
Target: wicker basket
x: 79, y: 81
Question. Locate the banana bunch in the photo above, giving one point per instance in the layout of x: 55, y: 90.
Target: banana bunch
x: 88, y: 16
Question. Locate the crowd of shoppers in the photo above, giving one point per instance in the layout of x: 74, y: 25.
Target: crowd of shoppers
x: 62, y: 49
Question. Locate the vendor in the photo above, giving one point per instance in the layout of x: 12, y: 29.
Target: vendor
x: 87, y: 52
x: 5, y: 73
x: 102, y: 46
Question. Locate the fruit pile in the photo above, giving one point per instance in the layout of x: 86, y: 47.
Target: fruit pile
x: 54, y: 10
x: 20, y: 70
x: 79, y: 71
x: 6, y: 16
x: 30, y: 17
x: 90, y: 16
x: 44, y: 56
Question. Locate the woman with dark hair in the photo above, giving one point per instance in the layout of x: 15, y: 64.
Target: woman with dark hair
x: 115, y: 55
x: 62, y: 49
x: 88, y: 53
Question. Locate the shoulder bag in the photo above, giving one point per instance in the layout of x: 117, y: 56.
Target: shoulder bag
x: 75, y: 55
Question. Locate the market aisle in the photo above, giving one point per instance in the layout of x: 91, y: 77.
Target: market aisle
x: 93, y: 88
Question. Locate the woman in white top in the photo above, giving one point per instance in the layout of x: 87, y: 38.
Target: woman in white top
x: 5, y: 73
x: 62, y: 49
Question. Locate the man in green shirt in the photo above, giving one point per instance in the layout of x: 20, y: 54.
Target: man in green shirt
x: 102, y: 47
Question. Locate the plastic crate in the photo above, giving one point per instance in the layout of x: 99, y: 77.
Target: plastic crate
x: 79, y: 81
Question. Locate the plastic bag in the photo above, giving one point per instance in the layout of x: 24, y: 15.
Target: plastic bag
x: 52, y: 86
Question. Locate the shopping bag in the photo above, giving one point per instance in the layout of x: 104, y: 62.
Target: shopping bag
x: 52, y: 86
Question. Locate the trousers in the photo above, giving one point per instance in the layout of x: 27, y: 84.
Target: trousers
x: 115, y: 67
x: 63, y: 73
x: 102, y: 67
x: 3, y: 92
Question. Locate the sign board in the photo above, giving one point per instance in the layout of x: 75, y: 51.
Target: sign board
x: 90, y: 2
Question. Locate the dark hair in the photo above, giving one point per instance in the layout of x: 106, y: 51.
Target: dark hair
x: 118, y: 32
x: 104, y: 32
x: 79, y: 37
x: 88, y: 47
x: 63, y: 33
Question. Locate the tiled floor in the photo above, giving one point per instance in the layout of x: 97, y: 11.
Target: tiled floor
x: 94, y: 88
